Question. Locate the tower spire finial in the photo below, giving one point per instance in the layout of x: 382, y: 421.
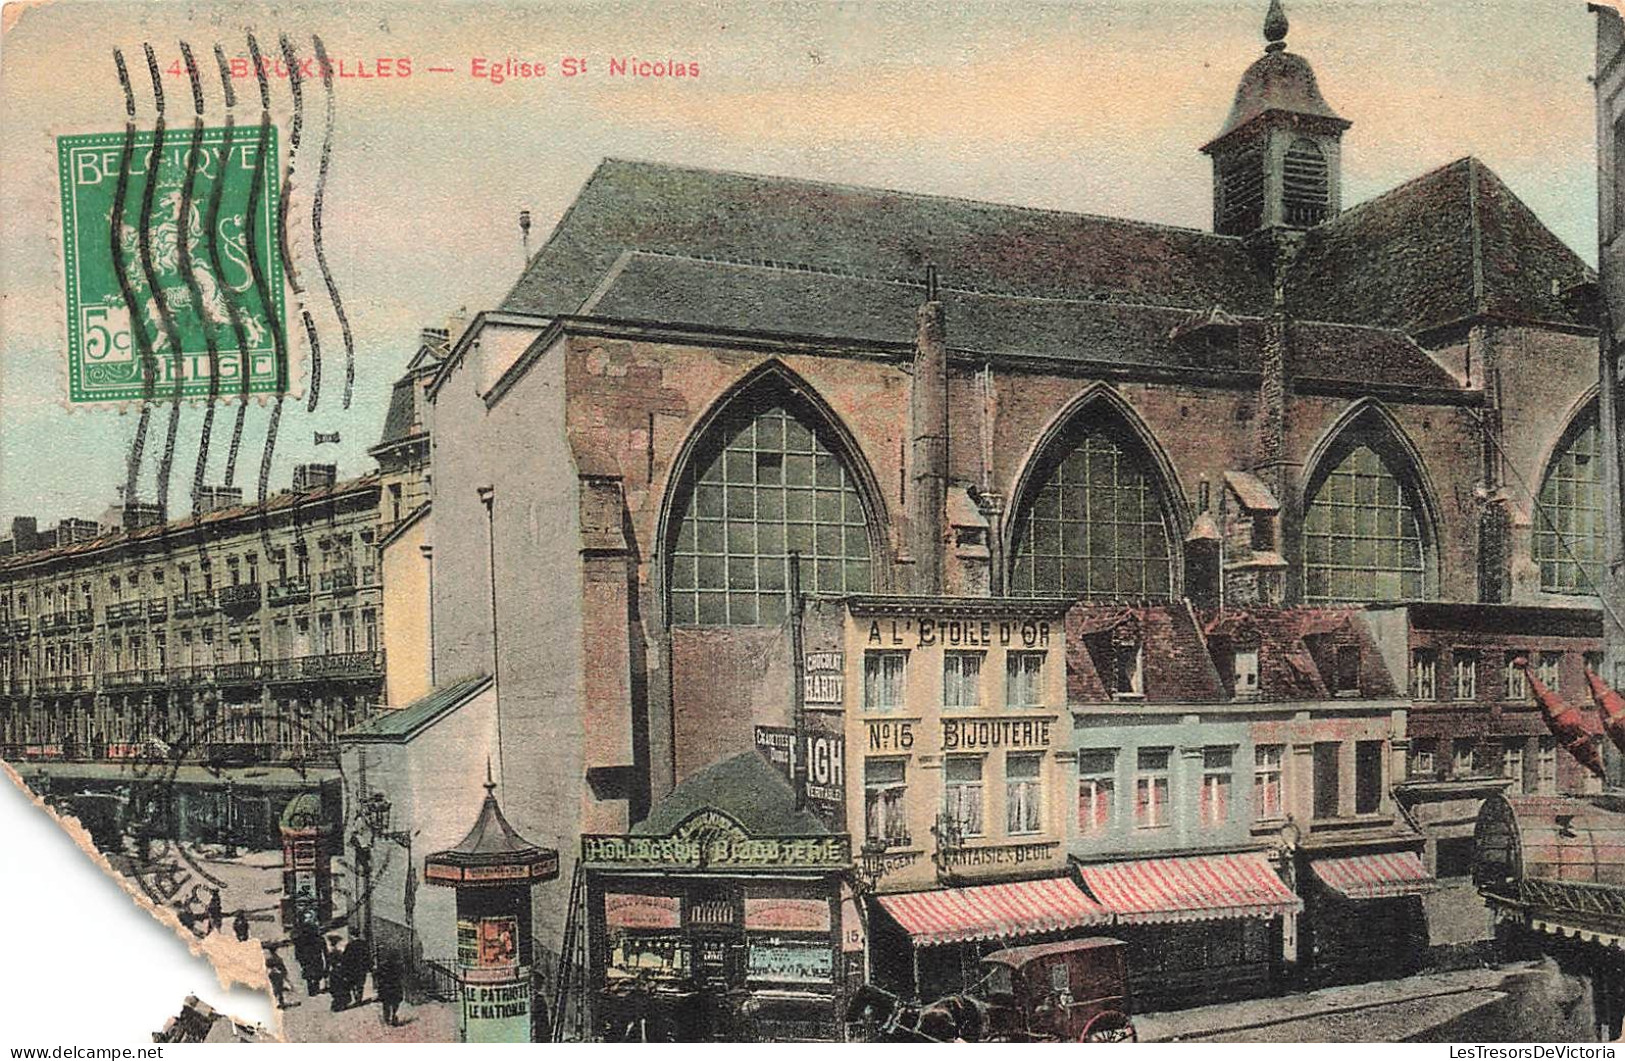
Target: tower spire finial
x: 490, y: 783
x: 1275, y: 27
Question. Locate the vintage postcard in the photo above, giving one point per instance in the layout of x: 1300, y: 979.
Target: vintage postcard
x: 707, y: 521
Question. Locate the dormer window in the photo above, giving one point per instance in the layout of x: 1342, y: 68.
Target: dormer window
x: 1128, y: 671
x: 1244, y: 665
x: 1306, y: 190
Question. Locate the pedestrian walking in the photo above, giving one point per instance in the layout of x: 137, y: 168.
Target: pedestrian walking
x: 216, y: 910
x: 337, y: 985
x: 276, y: 970
x: 357, y: 964
x: 312, y: 959
x: 239, y: 925
x: 391, y: 981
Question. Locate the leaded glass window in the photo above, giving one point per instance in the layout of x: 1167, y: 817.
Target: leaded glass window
x: 1095, y: 527
x: 1361, y: 535
x: 767, y: 485
x: 1570, y: 542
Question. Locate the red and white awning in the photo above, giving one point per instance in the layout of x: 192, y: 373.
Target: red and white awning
x: 1198, y: 888
x: 993, y: 911
x: 1388, y: 875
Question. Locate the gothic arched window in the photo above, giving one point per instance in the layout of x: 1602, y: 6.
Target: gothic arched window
x: 1363, y: 532
x: 1306, y: 188
x: 764, y: 482
x: 1570, y: 539
x: 1095, y: 525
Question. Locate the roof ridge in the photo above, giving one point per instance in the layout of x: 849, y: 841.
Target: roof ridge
x: 1402, y: 187
x: 907, y: 194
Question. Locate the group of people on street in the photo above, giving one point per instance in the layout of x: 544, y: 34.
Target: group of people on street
x: 345, y: 966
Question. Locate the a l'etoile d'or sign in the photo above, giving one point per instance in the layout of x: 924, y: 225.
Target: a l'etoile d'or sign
x: 166, y: 252
x: 712, y: 840
x: 932, y: 631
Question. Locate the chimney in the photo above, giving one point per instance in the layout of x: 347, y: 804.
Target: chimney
x: 211, y: 498
x: 25, y: 533
x: 456, y: 324
x: 69, y: 531
x: 137, y: 514
x: 308, y: 477
x: 929, y: 416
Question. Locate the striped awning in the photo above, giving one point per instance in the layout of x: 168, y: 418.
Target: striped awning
x: 1388, y: 875
x: 993, y: 911
x: 1197, y: 888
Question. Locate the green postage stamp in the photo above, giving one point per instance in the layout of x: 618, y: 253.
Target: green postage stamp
x: 152, y: 319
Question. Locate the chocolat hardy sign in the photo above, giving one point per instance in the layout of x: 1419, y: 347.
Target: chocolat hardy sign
x: 711, y: 840
x: 824, y: 681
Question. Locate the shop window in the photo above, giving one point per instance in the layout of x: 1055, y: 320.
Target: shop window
x: 1095, y: 525
x: 764, y: 483
x: 1549, y: 668
x: 885, y: 783
x: 1217, y: 766
x: 1466, y: 674
x: 1023, y: 679
x: 961, y: 679
x: 883, y: 674
x: 1244, y: 667
x: 1424, y: 758
x: 1362, y: 535
x: 789, y: 961
x: 1327, y: 779
x: 1268, y: 803
x: 1546, y: 767
x: 1151, y: 783
x: 1023, y: 793
x: 1424, y: 674
x: 1368, y: 773
x: 1097, y: 790
x: 1570, y: 535
x: 962, y: 793
x: 1514, y: 678
x: 1512, y: 764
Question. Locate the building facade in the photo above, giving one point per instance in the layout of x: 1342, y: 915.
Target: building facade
x: 710, y: 390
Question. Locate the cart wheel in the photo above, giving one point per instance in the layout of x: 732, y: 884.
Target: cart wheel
x: 1109, y: 1026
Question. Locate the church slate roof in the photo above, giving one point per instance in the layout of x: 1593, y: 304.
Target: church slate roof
x: 722, y: 251
x: 708, y: 294
x: 879, y: 234
x: 1450, y: 244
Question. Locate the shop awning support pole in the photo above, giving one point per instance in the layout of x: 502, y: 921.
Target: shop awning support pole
x: 798, y: 692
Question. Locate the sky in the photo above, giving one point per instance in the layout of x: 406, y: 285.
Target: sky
x: 1095, y: 106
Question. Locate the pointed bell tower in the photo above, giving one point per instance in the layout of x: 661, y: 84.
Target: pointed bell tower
x: 1277, y: 161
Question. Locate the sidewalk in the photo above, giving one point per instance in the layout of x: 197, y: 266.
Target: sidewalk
x: 1435, y: 997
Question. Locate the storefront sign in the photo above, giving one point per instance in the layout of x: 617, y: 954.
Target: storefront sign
x: 891, y: 736
x: 826, y: 764
x: 622, y: 911
x: 923, y: 632
x: 787, y: 915
x: 824, y: 680
x: 711, y: 840
x: 981, y: 734
x: 791, y: 961
x: 1007, y: 855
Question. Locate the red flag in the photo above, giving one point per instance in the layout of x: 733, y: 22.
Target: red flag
x: 1611, y: 706
x: 1565, y: 722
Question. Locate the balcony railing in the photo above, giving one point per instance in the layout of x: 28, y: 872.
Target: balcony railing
x: 288, y: 591
x: 336, y: 665
x: 244, y: 597
x: 56, y: 621
x: 189, y: 604
x: 19, y: 627
x: 125, y: 679
x: 85, y: 617
x: 237, y: 673
x: 125, y: 611
x: 64, y: 683
x: 341, y: 580
x: 158, y: 610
